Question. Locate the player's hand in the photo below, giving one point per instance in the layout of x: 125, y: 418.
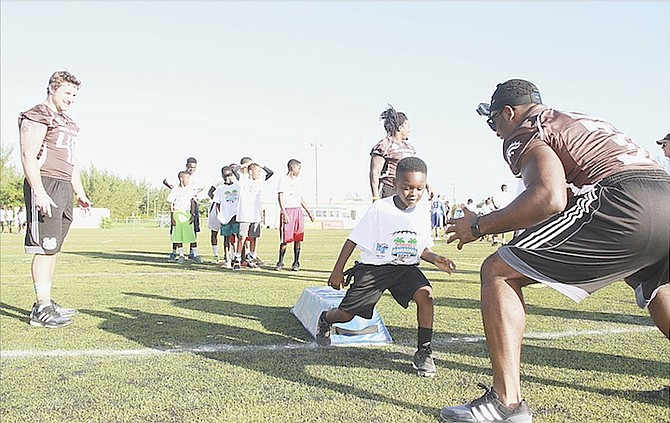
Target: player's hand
x: 84, y: 202
x: 173, y: 222
x: 44, y: 202
x: 460, y: 228
x: 286, y: 219
x: 444, y: 263
x: 336, y: 279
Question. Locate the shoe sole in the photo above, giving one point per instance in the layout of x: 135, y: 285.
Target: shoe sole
x: 423, y: 373
x: 48, y: 326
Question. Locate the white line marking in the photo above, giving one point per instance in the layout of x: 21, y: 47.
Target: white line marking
x: 223, y: 348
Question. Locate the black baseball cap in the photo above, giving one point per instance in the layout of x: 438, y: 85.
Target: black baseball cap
x: 666, y: 139
x: 514, y: 92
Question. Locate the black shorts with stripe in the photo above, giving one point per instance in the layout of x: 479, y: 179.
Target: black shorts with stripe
x: 44, y: 234
x: 619, y: 230
x: 371, y: 281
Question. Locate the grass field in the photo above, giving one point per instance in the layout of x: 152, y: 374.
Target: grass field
x: 161, y: 342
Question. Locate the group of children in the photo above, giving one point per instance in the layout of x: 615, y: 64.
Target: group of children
x: 236, y: 213
x: 393, y: 236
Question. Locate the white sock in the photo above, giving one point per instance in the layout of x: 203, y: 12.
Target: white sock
x: 215, y: 250
x: 180, y: 251
x: 43, y: 293
x: 194, y: 250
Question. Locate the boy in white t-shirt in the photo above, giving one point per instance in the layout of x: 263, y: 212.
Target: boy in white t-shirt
x: 291, y: 220
x: 181, y: 214
x: 393, y: 236
x: 225, y: 199
x: 249, y: 214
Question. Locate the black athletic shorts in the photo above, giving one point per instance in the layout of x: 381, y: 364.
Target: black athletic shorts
x: 44, y: 234
x: 618, y: 230
x: 371, y: 281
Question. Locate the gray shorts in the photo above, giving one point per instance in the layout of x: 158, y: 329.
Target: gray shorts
x: 619, y: 230
x: 44, y: 234
x: 249, y: 229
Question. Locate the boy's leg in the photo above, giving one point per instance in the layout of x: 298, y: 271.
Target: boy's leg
x: 423, y: 358
x: 214, y: 240
x: 326, y: 320
x: 280, y: 260
x: 296, y: 256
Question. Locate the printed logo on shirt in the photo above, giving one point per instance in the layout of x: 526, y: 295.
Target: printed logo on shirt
x: 405, y: 246
x: 381, y: 249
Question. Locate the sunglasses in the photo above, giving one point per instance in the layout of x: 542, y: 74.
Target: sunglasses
x: 490, y: 121
x: 664, y: 144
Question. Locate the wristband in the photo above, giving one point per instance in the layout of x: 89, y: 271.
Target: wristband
x: 474, y: 228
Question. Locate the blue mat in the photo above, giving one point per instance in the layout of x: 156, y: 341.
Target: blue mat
x: 314, y: 300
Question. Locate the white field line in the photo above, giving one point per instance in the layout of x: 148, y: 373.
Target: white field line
x: 223, y: 348
x: 176, y: 272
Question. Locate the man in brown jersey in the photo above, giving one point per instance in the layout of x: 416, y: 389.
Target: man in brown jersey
x: 47, y: 137
x: 610, y: 227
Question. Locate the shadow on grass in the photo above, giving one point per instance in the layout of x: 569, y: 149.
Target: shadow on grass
x: 160, y: 331
x: 569, y: 314
x: 14, y: 312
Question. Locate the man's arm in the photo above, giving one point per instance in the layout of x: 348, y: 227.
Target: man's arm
x: 336, y: 279
x: 544, y: 197
x: 78, y: 188
x: 268, y: 172
x: 376, y: 166
x: 167, y: 184
x: 31, y: 136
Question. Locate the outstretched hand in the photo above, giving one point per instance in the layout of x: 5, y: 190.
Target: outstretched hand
x: 460, y: 228
x: 444, y: 263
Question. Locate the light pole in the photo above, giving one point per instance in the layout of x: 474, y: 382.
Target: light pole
x: 316, y: 147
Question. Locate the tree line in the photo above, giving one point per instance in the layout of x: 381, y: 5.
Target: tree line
x: 124, y: 197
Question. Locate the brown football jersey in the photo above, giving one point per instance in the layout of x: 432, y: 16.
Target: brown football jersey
x: 589, y: 148
x: 392, y: 153
x: 55, y: 157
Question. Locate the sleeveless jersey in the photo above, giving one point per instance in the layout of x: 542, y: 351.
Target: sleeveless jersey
x: 589, y: 148
x: 55, y: 157
x: 392, y: 152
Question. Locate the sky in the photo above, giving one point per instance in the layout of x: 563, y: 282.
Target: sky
x: 221, y: 80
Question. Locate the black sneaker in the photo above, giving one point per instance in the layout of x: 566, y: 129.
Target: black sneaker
x: 323, y: 333
x: 237, y: 265
x: 423, y: 362
x: 63, y: 311
x: 487, y: 408
x: 47, y: 317
x: 295, y: 267
x: 279, y: 266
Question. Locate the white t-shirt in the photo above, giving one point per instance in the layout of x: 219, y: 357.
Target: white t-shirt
x: 196, y: 185
x: 249, y: 207
x: 227, y: 196
x: 502, y: 199
x: 292, y: 191
x: 180, y: 197
x: 388, y: 235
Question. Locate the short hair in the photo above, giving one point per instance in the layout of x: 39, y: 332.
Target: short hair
x: 225, y: 168
x: 245, y: 159
x: 191, y: 160
x: 254, y: 165
x: 291, y: 163
x: 59, y: 78
x: 515, y: 92
x: 393, y: 120
x: 503, y: 187
x: 411, y: 164
x: 182, y: 172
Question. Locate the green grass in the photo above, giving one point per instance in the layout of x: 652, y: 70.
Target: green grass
x: 138, y: 345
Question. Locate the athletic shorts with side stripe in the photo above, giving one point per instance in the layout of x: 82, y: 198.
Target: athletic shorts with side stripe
x: 44, y: 234
x: 294, y: 230
x: 371, y: 281
x: 619, y: 230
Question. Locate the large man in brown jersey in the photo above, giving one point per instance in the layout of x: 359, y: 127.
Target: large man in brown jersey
x: 47, y: 138
x: 592, y: 214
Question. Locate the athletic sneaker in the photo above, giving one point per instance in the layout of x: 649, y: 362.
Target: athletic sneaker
x: 196, y: 259
x: 237, y: 265
x: 423, y: 362
x: 215, y: 260
x: 48, y: 317
x: 295, y: 267
x: 191, y: 256
x: 173, y: 257
x: 251, y: 264
x: 63, y: 311
x: 181, y: 260
x: 227, y: 265
x: 279, y: 266
x: 487, y: 408
x: 323, y: 332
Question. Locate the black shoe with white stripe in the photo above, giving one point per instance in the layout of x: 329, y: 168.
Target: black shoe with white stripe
x: 486, y: 409
x: 47, y: 317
